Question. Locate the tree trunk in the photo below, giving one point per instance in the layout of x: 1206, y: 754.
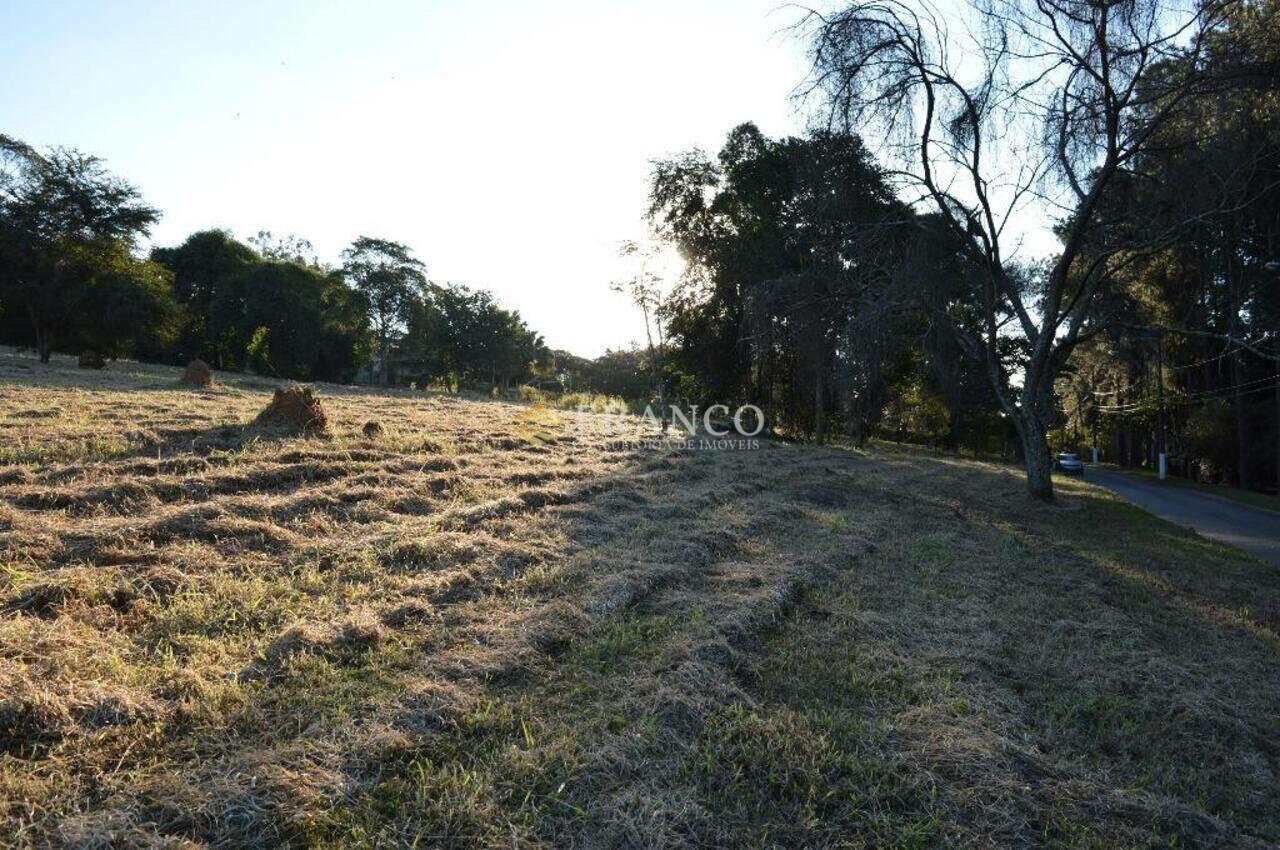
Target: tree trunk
x: 1242, y: 425
x: 1236, y: 373
x: 1039, y: 462
x: 44, y: 345
x: 382, y: 360
x: 662, y: 400
x: 819, y: 411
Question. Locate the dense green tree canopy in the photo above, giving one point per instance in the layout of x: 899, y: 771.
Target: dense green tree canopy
x: 460, y: 335
x: 67, y: 231
x: 389, y: 277
x: 808, y: 283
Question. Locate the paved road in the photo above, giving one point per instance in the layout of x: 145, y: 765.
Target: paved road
x: 1253, y: 529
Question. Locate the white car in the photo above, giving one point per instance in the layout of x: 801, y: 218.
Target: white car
x: 1069, y: 463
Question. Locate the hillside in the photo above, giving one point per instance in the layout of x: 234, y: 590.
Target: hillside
x: 486, y: 626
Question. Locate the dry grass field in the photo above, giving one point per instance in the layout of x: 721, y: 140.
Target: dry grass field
x: 484, y: 627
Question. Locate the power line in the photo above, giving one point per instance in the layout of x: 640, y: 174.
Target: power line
x: 1207, y: 360
x: 1218, y: 392
x: 1192, y: 398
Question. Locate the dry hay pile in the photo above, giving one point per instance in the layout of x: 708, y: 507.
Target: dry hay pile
x: 294, y: 410
x: 91, y: 360
x: 198, y: 374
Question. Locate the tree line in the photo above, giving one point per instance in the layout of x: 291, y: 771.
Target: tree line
x: 884, y: 294
x: 841, y: 289
x: 72, y: 278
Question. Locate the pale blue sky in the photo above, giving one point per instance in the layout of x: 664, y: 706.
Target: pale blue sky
x: 507, y: 142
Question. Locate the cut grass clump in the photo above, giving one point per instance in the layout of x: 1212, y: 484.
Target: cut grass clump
x: 346, y: 642
x: 91, y: 360
x: 31, y: 720
x: 42, y: 599
x: 440, y: 551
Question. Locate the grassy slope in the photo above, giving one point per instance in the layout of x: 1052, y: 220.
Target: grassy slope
x: 486, y: 628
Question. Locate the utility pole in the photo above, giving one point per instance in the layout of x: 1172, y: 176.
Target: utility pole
x: 1273, y: 266
x: 1160, y: 447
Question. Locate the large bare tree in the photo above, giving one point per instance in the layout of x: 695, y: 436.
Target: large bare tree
x: 1000, y: 110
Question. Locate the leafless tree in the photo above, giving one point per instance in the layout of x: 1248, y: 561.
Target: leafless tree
x: 1000, y: 108
x: 647, y: 290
